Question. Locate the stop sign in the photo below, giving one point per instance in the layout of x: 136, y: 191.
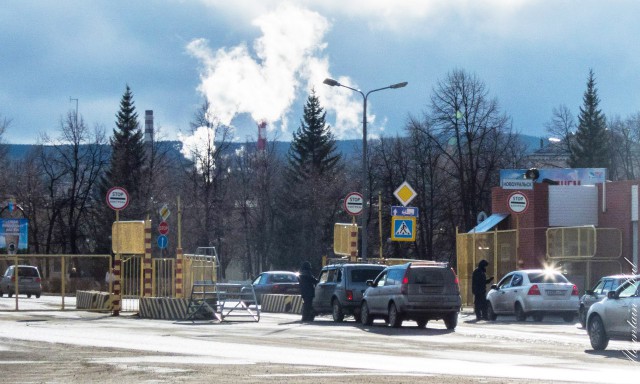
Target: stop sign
x: 163, y: 227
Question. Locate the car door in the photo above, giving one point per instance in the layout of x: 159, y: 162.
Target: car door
x: 617, y: 313
x: 499, y: 297
x: 324, y: 289
x: 514, y: 291
x: 375, y: 293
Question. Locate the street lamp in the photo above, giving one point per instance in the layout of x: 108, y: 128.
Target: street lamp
x: 365, y: 174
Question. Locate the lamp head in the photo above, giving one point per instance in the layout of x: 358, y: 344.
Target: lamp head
x: 331, y: 82
x: 399, y: 85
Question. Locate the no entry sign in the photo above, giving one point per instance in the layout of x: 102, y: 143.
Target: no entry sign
x: 518, y: 202
x: 354, y: 203
x: 117, y: 198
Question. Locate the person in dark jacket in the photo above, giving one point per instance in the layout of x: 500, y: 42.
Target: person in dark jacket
x: 307, y: 291
x: 479, y: 283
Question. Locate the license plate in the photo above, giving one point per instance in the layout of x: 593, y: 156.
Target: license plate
x: 555, y: 292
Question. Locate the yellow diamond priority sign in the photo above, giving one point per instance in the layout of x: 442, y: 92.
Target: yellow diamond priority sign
x: 405, y: 193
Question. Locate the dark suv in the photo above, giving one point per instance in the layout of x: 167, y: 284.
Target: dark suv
x: 340, y: 288
x: 419, y: 291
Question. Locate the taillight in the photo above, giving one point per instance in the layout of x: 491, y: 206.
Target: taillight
x: 349, y: 295
x: 574, y: 291
x: 13, y: 278
x: 276, y: 288
x: 38, y: 280
x: 455, y: 280
x: 404, y: 289
x: 534, y: 290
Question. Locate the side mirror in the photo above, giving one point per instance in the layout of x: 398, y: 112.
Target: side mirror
x: 612, y: 295
x: 589, y: 292
x: 370, y: 283
x: 495, y: 286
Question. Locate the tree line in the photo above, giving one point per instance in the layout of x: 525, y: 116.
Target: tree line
x: 267, y: 211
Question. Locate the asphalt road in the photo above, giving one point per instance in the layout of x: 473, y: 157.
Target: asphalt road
x: 83, y: 347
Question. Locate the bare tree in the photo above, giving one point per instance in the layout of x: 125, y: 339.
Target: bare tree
x: 562, y: 126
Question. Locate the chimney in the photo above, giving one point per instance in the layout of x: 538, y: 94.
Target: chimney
x: 262, y: 136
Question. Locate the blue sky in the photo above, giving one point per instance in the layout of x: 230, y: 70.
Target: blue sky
x: 258, y: 60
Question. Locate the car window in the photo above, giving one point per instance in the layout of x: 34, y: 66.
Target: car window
x: 362, y: 275
x: 629, y: 290
x: 338, y: 275
x: 264, y: 279
x: 331, y: 277
x: 395, y: 277
x: 547, y: 277
x: 517, y: 279
x: 27, y: 272
x: 608, y: 286
x: 505, y: 282
x: 616, y: 283
x: 323, y: 276
x: 284, y: 278
x: 381, y: 280
x: 426, y: 276
x: 598, y: 287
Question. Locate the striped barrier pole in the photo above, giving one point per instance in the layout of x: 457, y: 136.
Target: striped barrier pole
x: 117, y: 290
x: 147, y: 292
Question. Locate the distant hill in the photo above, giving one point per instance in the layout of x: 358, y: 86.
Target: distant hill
x: 349, y: 148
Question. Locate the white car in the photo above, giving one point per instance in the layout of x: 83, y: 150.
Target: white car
x: 533, y: 292
x: 617, y: 316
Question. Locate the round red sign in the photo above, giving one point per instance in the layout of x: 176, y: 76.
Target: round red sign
x: 354, y: 203
x: 117, y: 198
x: 163, y: 227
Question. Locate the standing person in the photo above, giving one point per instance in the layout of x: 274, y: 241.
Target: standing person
x: 307, y: 290
x: 479, y: 283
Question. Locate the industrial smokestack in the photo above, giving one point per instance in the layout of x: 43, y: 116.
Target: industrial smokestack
x: 148, y: 126
x: 262, y: 135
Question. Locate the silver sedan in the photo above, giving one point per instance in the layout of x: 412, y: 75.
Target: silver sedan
x: 533, y: 292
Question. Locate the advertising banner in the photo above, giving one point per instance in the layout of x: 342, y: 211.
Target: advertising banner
x: 14, y: 236
x: 557, y: 176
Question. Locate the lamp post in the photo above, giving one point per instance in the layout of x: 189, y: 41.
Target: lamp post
x: 365, y: 174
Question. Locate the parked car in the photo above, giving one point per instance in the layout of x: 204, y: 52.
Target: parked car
x: 340, y: 289
x: 29, y: 281
x: 617, y: 316
x: 533, y: 292
x: 275, y: 282
x: 419, y: 291
x: 599, y: 292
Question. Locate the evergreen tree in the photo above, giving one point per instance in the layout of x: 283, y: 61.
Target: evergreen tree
x: 127, y: 156
x: 314, y: 185
x: 313, y: 149
x: 591, y: 145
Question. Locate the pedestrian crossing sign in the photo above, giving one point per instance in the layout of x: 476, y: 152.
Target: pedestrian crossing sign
x: 403, y: 228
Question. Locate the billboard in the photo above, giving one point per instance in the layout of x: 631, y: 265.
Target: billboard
x: 558, y: 176
x: 14, y: 236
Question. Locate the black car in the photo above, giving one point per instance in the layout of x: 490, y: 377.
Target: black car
x: 340, y: 288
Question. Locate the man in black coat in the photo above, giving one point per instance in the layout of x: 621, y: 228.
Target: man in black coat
x: 307, y: 291
x: 479, y: 283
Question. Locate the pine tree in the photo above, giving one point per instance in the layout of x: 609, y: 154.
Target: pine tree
x: 313, y: 149
x: 591, y: 145
x: 314, y: 185
x: 127, y: 155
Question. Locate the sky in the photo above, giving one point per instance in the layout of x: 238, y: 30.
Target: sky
x: 257, y: 60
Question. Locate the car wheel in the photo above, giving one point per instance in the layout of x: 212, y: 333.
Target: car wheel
x: 356, y: 316
x: 365, y: 316
x: 597, y: 334
x: 490, y: 314
x: 9, y: 294
x: 422, y: 323
x: 520, y: 315
x: 395, y: 319
x: 538, y: 317
x: 28, y: 295
x: 37, y: 295
x: 582, y: 315
x: 338, y: 314
x: 569, y: 317
x: 1, y: 293
x: 451, y: 320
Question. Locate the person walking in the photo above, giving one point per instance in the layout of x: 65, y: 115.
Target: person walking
x: 307, y: 290
x: 479, y: 283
